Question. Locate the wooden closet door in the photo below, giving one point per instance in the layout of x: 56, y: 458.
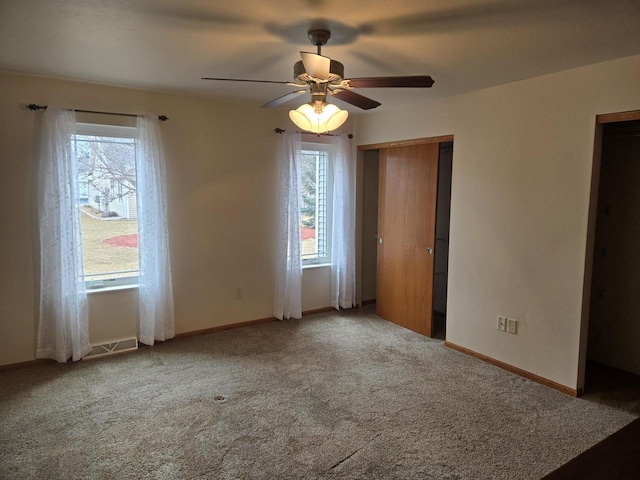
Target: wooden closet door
x: 406, y: 235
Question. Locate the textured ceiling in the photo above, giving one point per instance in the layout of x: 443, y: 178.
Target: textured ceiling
x: 169, y: 45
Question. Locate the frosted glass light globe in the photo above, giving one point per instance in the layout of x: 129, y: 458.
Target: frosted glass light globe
x: 306, y: 118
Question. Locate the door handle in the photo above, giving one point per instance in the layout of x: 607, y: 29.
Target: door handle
x: 430, y: 250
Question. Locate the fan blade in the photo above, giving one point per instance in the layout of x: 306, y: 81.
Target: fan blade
x: 316, y: 66
x: 283, y: 99
x: 419, y: 81
x: 242, y: 80
x: 356, y: 99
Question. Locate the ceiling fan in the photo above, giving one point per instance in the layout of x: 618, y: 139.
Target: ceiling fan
x: 322, y: 76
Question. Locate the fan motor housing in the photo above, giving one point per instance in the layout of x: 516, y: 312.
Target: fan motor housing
x: 319, y: 37
x: 336, y: 73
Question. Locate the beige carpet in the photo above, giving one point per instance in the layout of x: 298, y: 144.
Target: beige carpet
x: 339, y: 395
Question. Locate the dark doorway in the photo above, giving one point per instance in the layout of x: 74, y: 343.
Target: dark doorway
x: 614, y: 320
x: 443, y: 214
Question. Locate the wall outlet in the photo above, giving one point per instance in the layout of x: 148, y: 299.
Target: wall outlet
x: 502, y: 323
x: 512, y: 326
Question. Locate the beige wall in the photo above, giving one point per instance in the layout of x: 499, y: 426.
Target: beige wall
x: 522, y: 166
x: 222, y: 186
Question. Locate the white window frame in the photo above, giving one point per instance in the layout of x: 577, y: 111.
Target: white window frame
x: 116, y: 131
x: 323, y: 146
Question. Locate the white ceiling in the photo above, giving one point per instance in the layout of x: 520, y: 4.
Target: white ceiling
x: 169, y: 45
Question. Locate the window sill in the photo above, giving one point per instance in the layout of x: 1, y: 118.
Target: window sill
x: 112, y: 288
x: 316, y: 265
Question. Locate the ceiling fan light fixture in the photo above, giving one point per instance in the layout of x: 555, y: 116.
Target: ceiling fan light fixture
x: 329, y: 118
x: 333, y: 117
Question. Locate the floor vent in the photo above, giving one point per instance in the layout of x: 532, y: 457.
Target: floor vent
x: 118, y: 346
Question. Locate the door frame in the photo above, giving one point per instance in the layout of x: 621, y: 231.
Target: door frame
x: 360, y: 193
x: 601, y: 120
x: 406, y: 143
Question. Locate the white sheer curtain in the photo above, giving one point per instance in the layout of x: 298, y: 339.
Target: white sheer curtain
x: 288, y: 297
x: 343, y: 247
x: 63, y: 328
x: 156, y: 291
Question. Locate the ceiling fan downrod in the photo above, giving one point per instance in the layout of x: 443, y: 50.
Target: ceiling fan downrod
x: 319, y: 38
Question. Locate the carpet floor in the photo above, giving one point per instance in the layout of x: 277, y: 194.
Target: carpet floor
x: 334, y: 396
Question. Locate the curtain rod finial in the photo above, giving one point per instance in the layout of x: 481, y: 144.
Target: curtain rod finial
x: 163, y: 118
x: 279, y: 130
x: 34, y: 107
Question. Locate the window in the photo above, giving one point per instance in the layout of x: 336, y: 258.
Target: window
x: 106, y: 175
x: 315, y: 205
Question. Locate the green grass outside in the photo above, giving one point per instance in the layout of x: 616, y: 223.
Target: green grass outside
x: 100, y: 257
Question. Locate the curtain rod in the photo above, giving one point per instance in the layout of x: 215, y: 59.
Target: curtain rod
x: 280, y: 130
x: 34, y: 107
